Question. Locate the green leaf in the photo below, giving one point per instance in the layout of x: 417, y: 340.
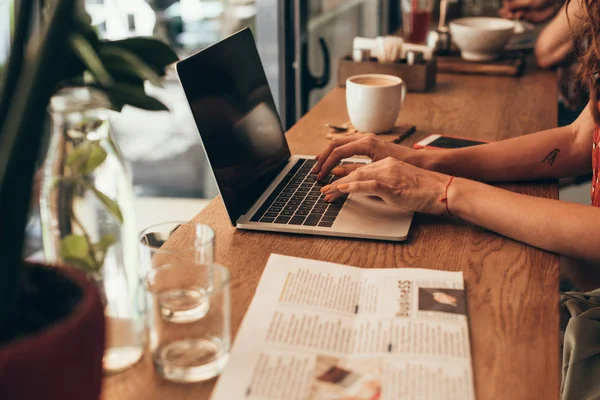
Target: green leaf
x: 109, y: 203
x: 151, y: 51
x: 95, y: 158
x: 106, y: 241
x: 125, y: 62
x: 78, y: 156
x: 134, y: 95
x: 86, y: 52
x: 74, y: 247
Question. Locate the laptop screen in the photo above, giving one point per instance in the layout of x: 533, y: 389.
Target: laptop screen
x: 236, y: 117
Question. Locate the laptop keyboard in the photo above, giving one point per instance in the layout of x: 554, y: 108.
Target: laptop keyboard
x: 297, y: 200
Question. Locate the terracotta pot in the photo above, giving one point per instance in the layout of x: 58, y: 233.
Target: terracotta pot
x: 64, y: 360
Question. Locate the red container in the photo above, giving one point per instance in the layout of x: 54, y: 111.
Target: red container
x: 64, y: 359
x: 416, y: 19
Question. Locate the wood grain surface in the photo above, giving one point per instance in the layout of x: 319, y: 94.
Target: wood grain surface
x: 512, y: 288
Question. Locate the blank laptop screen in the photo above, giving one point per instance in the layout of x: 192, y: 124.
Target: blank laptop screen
x: 236, y: 117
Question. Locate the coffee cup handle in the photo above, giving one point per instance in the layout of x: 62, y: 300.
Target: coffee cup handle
x: 404, y: 90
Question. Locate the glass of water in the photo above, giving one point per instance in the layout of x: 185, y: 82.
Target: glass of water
x: 189, y: 302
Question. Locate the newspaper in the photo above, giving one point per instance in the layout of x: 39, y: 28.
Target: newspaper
x: 324, y: 331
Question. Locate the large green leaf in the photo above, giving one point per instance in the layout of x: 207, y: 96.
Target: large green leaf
x: 86, y: 158
x: 153, y: 52
x: 95, y: 159
x: 75, y: 249
x: 86, y: 52
x: 106, y: 241
x: 78, y: 156
x: 109, y: 203
x: 121, y: 94
x: 33, y: 78
x: 126, y: 63
x: 74, y: 246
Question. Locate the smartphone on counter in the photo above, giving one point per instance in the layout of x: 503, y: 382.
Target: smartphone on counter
x: 446, y: 142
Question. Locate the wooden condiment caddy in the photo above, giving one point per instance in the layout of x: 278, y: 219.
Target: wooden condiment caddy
x: 418, y: 77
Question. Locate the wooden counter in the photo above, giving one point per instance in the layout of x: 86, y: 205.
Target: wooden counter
x: 512, y: 288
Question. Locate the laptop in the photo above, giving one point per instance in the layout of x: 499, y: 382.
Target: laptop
x: 264, y: 187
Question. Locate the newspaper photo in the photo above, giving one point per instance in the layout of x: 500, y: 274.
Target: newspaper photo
x: 323, y: 331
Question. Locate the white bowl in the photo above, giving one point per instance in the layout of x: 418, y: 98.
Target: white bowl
x: 481, y: 38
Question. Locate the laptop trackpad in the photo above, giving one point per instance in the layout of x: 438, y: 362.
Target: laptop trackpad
x: 370, y: 214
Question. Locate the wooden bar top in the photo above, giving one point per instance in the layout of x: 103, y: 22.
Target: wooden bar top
x: 512, y: 288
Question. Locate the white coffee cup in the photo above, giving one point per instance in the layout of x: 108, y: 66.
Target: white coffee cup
x: 374, y: 101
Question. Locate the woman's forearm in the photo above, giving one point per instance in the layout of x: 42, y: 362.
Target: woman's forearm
x: 565, y: 228
x: 554, y: 45
x: 555, y: 153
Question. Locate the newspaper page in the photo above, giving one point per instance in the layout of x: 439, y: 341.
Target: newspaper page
x: 323, y: 331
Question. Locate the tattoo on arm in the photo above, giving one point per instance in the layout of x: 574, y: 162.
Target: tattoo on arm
x: 551, y: 157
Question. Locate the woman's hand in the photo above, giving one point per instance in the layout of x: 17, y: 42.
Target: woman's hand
x: 360, y: 144
x: 535, y: 11
x: 397, y: 183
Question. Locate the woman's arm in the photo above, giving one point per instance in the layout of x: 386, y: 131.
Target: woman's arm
x: 556, y: 153
x: 564, y: 228
x: 555, y: 43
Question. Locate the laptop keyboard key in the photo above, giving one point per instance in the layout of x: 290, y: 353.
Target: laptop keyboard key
x: 267, y: 220
x: 294, y: 203
x: 290, y: 208
x: 327, y: 218
x: 275, y: 209
x: 297, y: 220
x: 282, y: 220
x: 340, y: 201
x: 271, y: 214
x: 312, y: 220
x: 302, y: 212
x: 326, y: 224
x: 279, y: 204
x: 287, y: 213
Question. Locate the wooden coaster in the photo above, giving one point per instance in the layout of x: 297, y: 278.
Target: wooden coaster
x: 508, y: 64
x: 397, y: 134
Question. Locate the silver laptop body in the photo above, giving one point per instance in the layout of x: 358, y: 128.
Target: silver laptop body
x: 263, y: 186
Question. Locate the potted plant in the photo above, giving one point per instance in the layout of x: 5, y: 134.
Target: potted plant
x: 52, y: 337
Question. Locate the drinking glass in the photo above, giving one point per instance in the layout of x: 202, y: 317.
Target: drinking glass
x: 189, y: 302
x: 416, y: 18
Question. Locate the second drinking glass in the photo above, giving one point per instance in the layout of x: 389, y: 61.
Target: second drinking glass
x: 188, y: 299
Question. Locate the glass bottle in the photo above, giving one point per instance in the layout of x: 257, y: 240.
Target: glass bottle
x: 88, y: 216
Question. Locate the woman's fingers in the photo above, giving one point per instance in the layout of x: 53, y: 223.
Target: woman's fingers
x: 338, y: 154
x: 321, y: 158
x: 360, y: 174
x: 343, y: 170
x: 370, y: 187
